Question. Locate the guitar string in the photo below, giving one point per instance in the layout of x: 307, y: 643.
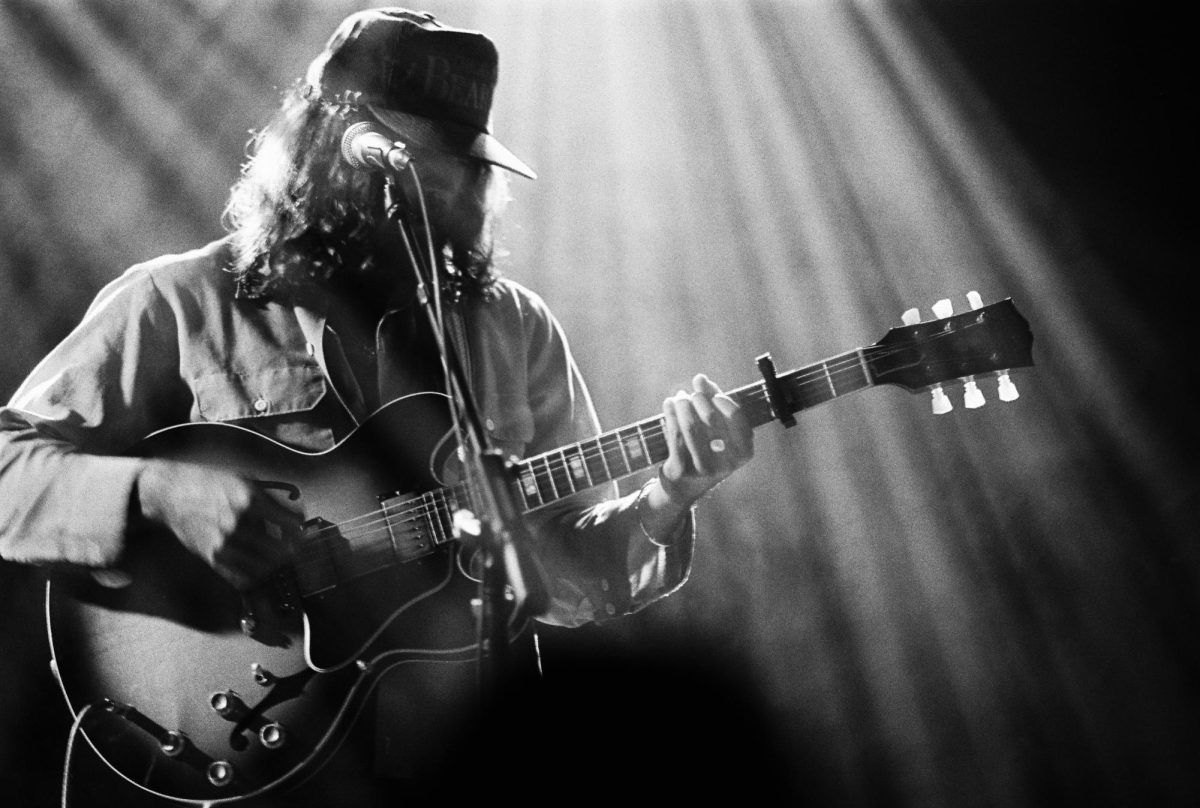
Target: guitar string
x: 754, y: 393
x: 594, y: 449
x: 428, y: 506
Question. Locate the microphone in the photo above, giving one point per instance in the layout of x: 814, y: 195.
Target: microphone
x: 364, y: 146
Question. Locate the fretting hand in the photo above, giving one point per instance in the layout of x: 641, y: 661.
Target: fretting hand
x: 708, y: 439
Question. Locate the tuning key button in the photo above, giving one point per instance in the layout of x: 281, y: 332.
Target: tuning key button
x: 1008, y: 390
x: 220, y: 772
x: 941, y: 401
x: 973, y: 396
x: 974, y: 300
x: 911, y: 317
x: 943, y: 309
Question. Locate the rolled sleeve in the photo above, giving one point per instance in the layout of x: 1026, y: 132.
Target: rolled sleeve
x: 65, y: 495
x: 600, y: 561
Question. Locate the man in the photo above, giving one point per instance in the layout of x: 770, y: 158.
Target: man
x: 307, y: 319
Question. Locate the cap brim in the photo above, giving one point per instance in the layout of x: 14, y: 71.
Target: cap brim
x: 452, y: 138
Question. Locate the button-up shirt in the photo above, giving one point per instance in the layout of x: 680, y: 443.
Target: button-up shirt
x: 168, y: 343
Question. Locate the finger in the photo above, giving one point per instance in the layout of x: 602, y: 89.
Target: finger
x: 708, y: 414
x: 696, y: 436
x: 675, y: 427
x: 702, y: 384
x: 262, y: 540
x: 739, y: 431
x: 716, y: 410
x: 275, y: 524
x: 260, y: 537
x: 713, y: 432
x: 240, y: 568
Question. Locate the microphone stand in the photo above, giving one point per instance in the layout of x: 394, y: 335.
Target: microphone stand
x: 505, y: 541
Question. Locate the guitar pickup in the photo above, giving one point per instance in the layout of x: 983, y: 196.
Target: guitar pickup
x: 414, y: 526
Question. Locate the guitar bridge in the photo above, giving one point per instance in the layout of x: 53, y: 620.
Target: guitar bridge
x: 415, y: 526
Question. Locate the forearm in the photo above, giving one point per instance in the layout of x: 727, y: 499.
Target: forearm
x: 59, y: 505
x: 604, y: 563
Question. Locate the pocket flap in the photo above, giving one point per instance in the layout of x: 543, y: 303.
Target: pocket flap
x: 509, y: 420
x: 229, y: 396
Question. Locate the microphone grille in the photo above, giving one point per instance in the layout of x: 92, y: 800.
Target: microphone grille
x: 351, y: 133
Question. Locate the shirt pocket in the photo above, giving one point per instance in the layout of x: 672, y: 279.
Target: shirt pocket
x: 231, y: 396
x: 509, y: 423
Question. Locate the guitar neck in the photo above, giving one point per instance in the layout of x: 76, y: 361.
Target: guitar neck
x: 550, y: 476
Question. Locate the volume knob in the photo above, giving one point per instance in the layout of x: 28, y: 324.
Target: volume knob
x: 272, y: 735
x: 228, y: 705
x: 220, y: 772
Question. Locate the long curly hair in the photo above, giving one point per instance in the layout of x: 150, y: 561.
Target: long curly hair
x: 299, y: 215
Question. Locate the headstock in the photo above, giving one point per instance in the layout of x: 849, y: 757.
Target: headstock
x: 926, y: 355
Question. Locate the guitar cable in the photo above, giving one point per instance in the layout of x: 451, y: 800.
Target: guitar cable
x: 76, y: 725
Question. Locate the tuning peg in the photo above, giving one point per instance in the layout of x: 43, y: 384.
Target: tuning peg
x: 911, y: 317
x: 943, y: 309
x: 1008, y: 390
x: 974, y: 300
x: 941, y: 401
x: 972, y: 395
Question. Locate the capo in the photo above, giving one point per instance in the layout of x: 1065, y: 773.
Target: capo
x: 775, y: 395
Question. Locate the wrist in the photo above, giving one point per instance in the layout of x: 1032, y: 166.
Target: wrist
x: 661, y: 516
x: 147, y: 486
x: 671, y: 491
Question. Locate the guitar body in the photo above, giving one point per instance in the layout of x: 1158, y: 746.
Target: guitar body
x: 157, y: 656
x: 197, y: 693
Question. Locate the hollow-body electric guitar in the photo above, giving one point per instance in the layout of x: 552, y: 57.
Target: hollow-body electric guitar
x: 197, y: 693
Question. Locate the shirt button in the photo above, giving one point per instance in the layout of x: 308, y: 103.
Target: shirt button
x: 260, y: 405
x: 608, y: 607
x: 490, y: 424
x: 604, y: 584
x: 312, y: 349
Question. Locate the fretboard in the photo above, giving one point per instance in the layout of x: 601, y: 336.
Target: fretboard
x: 550, y: 476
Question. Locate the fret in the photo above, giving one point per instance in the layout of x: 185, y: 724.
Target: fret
x: 612, y: 454
x: 437, y: 510
x: 862, y: 362
x: 624, y: 453
x: 593, y: 455
x: 562, y: 476
x: 848, y: 378
x: 550, y: 478
x: 459, y: 500
x: 808, y: 393
x: 645, y: 449
x: 581, y: 478
x: 752, y: 398
x: 832, y: 389
x: 656, y: 447
x: 635, y: 450
x: 529, y: 487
